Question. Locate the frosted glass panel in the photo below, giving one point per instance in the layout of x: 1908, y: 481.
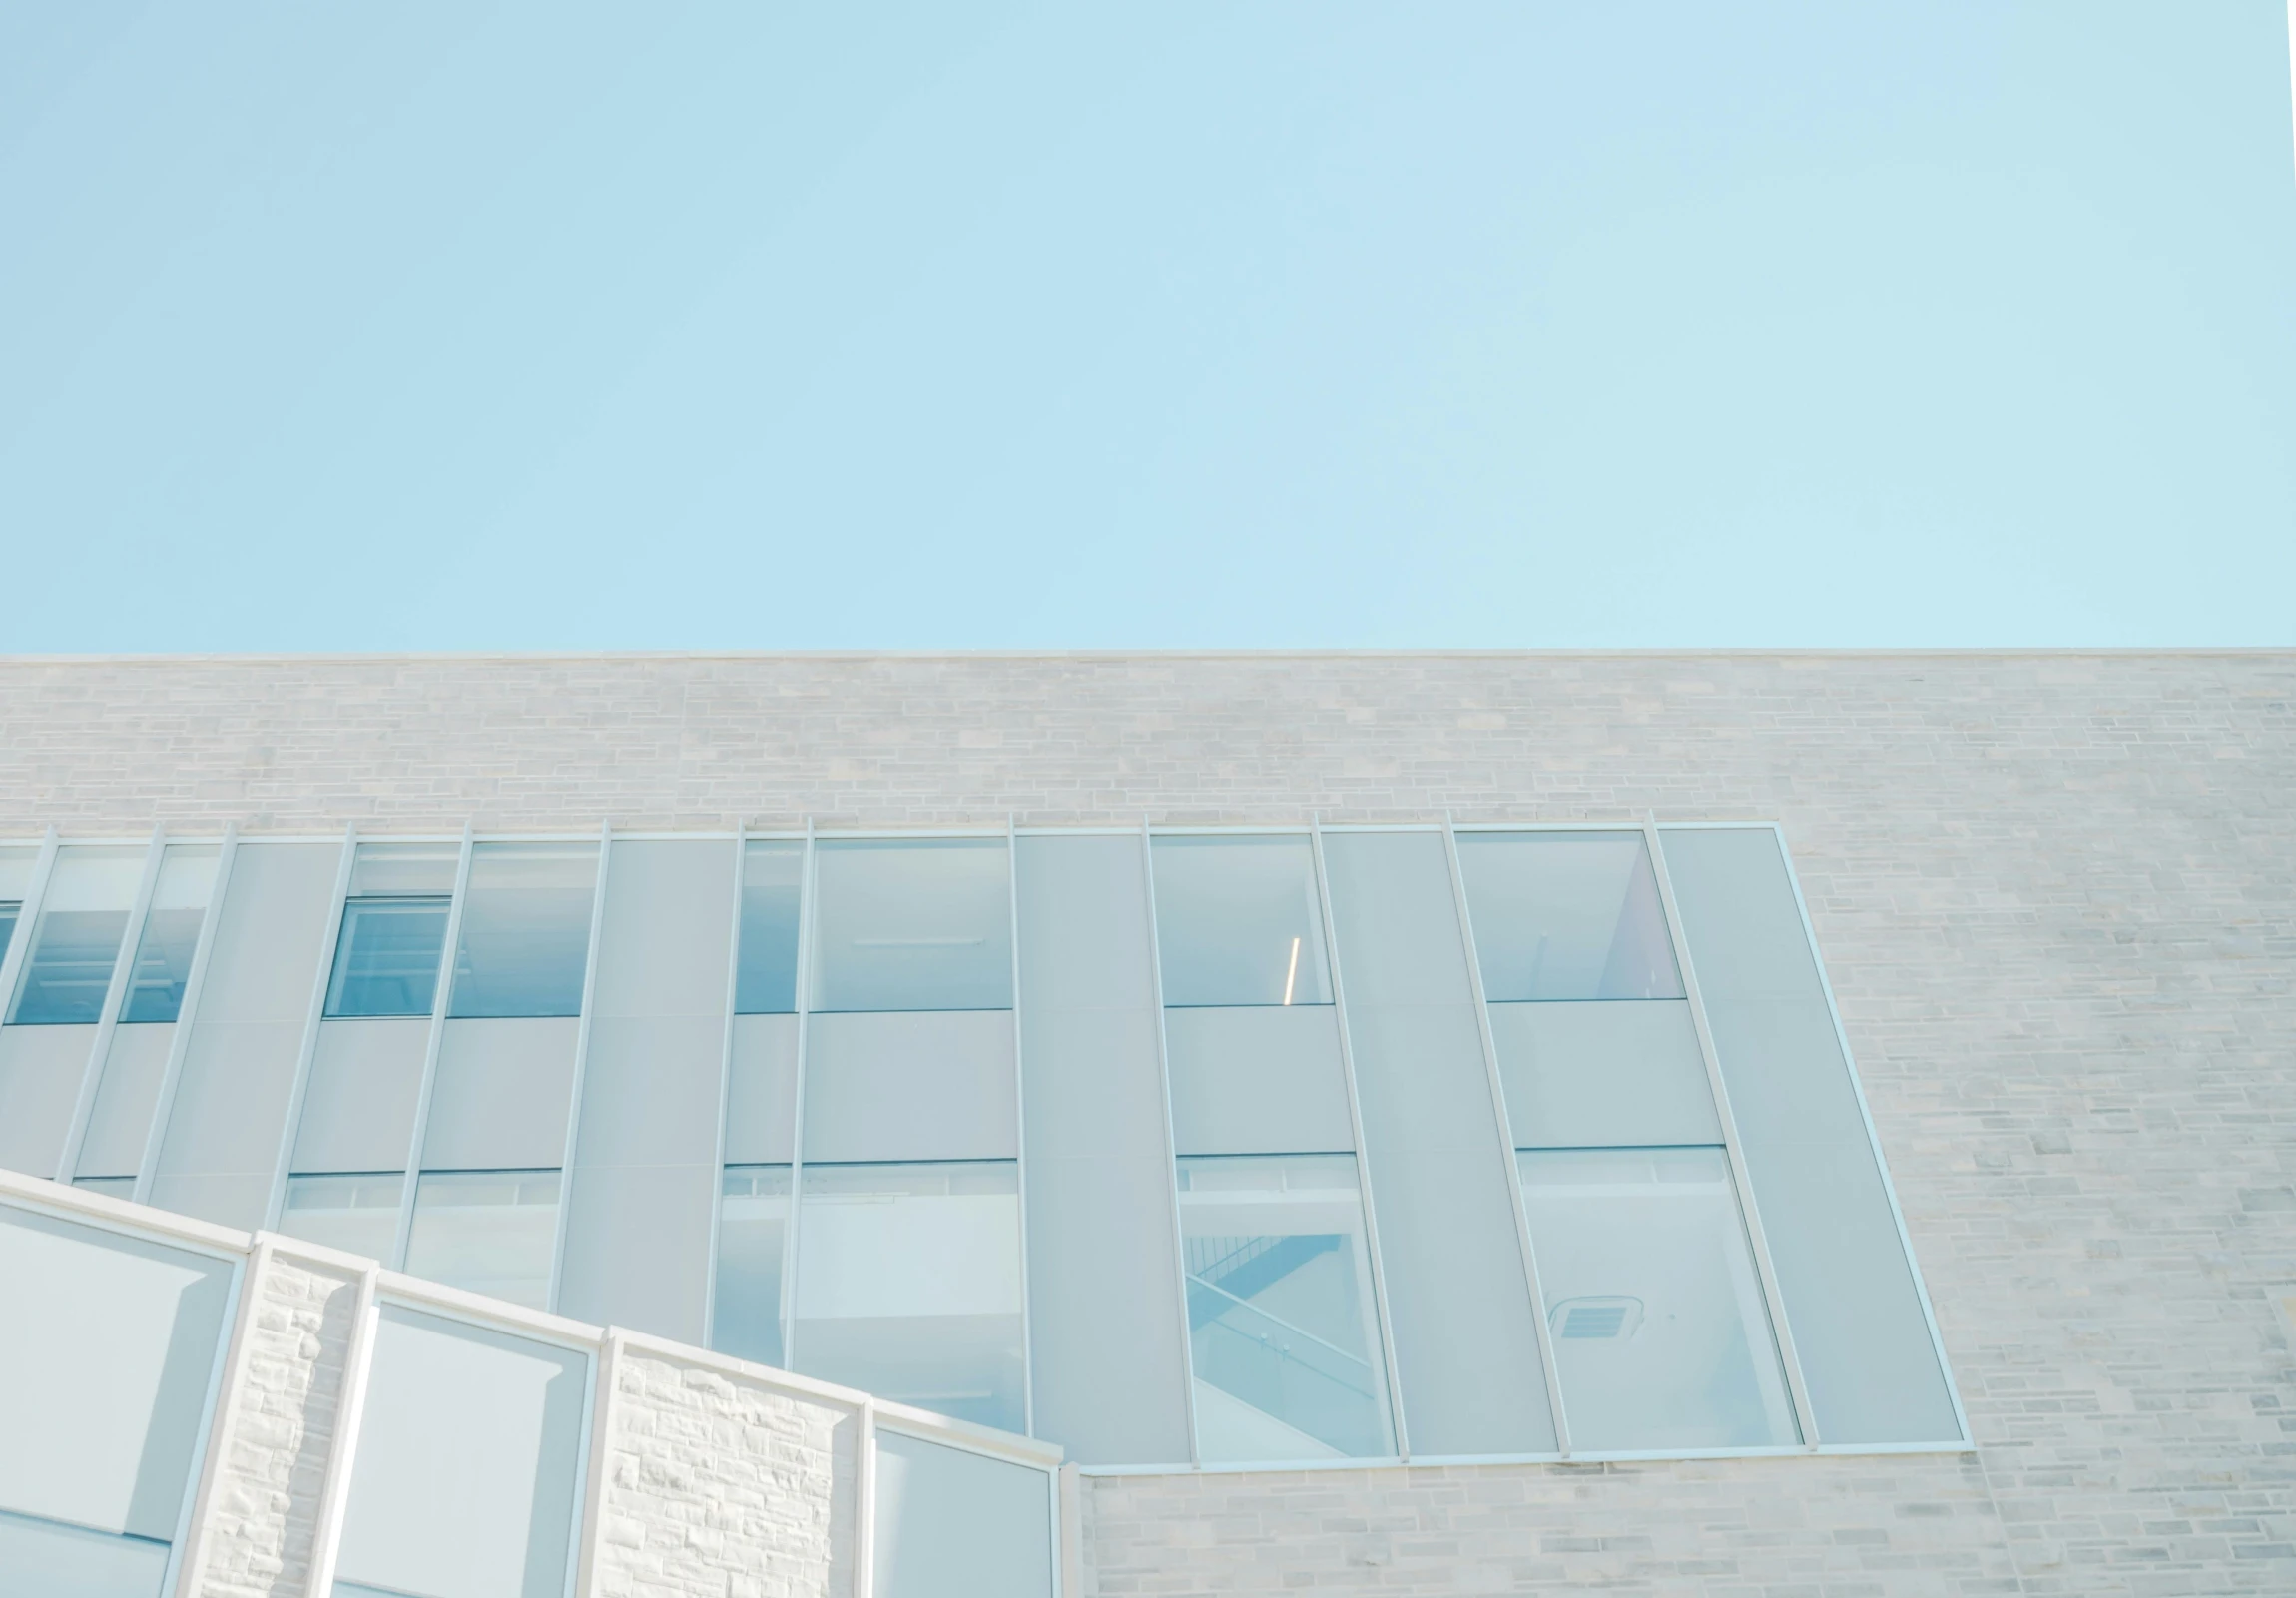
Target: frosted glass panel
x: 120, y: 1124
x: 1848, y: 1286
x: 76, y: 941
x: 910, y: 1086
x: 909, y: 1285
x: 357, y: 1214
x: 107, y: 1347
x: 180, y: 897
x: 913, y: 925
x: 1110, y: 1385
x: 1279, y: 1311
x: 1237, y: 921
x: 526, y: 941
x: 46, y: 1559
x: 41, y: 1069
x: 468, y: 1462
x: 1602, y: 1074
x: 1258, y: 1079
x: 752, y: 1232
x: 767, y: 983
x: 954, y: 1524
x: 1661, y: 1332
x: 489, y: 1230
x: 358, y: 1107
x: 1567, y: 915
x: 504, y: 1088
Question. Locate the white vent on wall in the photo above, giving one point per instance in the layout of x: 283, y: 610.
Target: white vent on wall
x: 1613, y: 1317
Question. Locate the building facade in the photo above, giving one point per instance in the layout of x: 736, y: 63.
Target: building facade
x: 1416, y: 1123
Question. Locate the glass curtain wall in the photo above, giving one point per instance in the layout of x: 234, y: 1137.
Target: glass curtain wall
x: 1282, y: 1324
x: 17, y: 863
x: 1661, y: 1332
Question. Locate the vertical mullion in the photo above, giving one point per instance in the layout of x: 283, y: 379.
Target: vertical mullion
x: 27, y: 923
x: 581, y: 1065
x: 1363, y: 1155
x: 441, y: 996
x: 186, y: 1014
x: 804, y: 1004
x: 1171, y: 1150
x: 292, y: 1127
x: 1873, y: 1137
x: 1789, y: 1355
x: 108, y: 1019
x: 725, y: 1088
x: 1552, y: 1372
x: 1019, y: 1127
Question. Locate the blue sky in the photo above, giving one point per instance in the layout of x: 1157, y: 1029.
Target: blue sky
x: 524, y: 327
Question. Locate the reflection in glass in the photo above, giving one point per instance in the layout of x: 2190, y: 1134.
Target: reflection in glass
x: 1567, y: 915
x: 357, y: 1214
x: 76, y: 942
x: 393, y: 930
x: 492, y: 1232
x: 752, y: 1229
x: 1237, y: 921
x: 765, y: 979
x: 912, y: 924
x: 908, y: 1285
x: 1281, y: 1321
x: 1661, y: 1335
x: 15, y: 882
x: 526, y: 940
x: 162, y: 966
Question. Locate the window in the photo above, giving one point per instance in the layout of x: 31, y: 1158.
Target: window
x: 106, y: 1353
x: 1661, y: 1335
x: 464, y: 1478
x: 525, y: 944
x: 393, y: 930
x: 908, y: 1285
x: 357, y: 1214
x: 923, y: 924
x: 1280, y: 1313
x: 766, y: 980
x: 15, y: 882
x: 753, y: 1231
x: 162, y: 966
x: 1567, y: 915
x: 76, y: 942
x: 492, y: 1232
x: 1239, y: 922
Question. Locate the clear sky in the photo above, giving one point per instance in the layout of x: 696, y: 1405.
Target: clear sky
x: 473, y: 326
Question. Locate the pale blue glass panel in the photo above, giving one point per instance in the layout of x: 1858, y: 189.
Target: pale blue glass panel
x: 76, y: 941
x: 45, y: 1559
x: 357, y: 1213
x: 955, y: 1524
x: 1279, y: 1311
x: 468, y: 1466
x: 752, y: 1232
x: 1661, y: 1335
x: 491, y: 1231
x: 107, y: 1351
x: 922, y: 924
x: 15, y: 882
x: 387, y: 960
x: 908, y: 1285
x: 1237, y: 921
x: 180, y: 897
x: 525, y: 937
x: 766, y: 977
x: 1567, y: 915
x: 10, y: 911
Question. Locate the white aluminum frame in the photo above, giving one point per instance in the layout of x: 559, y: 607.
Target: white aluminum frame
x: 1019, y: 1131
x: 725, y: 1088
x: 804, y: 1000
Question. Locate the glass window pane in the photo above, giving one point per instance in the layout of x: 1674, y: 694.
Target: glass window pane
x: 1237, y: 921
x: 1661, y: 1335
x: 752, y: 1229
x: 357, y: 1214
x: 908, y: 1285
x: 922, y: 924
x: 171, y: 933
x: 83, y: 917
x: 1567, y: 915
x: 489, y: 1230
x: 954, y: 1524
x: 526, y: 941
x: 766, y: 983
x: 463, y: 1483
x: 1279, y: 1311
x: 393, y: 929
x: 15, y: 882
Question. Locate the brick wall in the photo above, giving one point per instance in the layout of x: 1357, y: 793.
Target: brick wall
x: 2056, y: 896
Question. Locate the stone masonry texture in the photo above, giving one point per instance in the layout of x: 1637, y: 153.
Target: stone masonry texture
x: 278, y: 1428
x: 2056, y: 895
x: 717, y: 1486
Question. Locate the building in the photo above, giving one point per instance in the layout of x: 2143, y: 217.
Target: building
x: 1409, y: 1122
